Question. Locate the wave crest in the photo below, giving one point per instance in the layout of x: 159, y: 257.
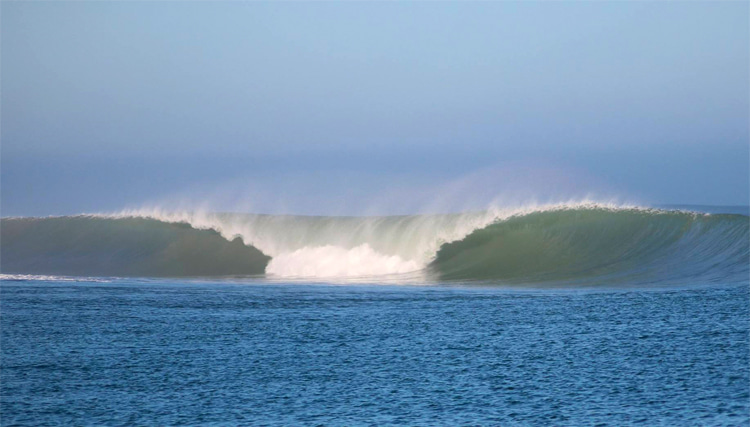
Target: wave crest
x: 540, y: 243
x: 626, y: 245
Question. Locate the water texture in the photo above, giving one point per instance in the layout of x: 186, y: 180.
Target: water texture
x: 575, y: 314
x: 152, y: 352
x: 548, y: 244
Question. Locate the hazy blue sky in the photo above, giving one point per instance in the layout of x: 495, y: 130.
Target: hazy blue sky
x: 333, y: 107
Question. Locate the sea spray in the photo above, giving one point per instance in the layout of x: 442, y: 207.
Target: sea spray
x: 533, y: 243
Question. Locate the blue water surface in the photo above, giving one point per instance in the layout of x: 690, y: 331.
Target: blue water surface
x: 134, y: 352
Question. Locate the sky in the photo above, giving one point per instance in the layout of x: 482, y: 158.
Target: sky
x: 360, y: 107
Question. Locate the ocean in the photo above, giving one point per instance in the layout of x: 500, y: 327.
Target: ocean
x: 570, y: 314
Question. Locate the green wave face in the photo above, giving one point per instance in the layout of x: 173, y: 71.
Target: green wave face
x: 602, y: 245
x: 92, y: 246
x: 581, y: 245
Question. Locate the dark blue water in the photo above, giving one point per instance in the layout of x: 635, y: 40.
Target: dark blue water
x: 171, y: 353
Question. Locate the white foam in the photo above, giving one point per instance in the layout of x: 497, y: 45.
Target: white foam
x: 48, y: 278
x: 352, y: 246
x: 335, y: 261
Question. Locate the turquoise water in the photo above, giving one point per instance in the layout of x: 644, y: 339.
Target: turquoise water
x: 179, y: 352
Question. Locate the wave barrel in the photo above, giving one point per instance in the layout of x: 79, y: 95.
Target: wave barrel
x: 607, y: 246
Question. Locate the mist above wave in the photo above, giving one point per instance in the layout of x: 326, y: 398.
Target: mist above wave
x: 533, y: 243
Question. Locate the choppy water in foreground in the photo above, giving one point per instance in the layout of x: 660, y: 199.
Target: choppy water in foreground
x: 171, y: 352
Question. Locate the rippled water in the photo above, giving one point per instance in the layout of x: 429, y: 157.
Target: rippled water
x: 187, y: 353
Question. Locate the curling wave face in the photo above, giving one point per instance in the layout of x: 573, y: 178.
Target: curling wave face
x: 98, y: 246
x: 629, y: 245
x: 538, y: 244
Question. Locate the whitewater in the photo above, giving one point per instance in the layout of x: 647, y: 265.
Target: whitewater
x: 580, y: 242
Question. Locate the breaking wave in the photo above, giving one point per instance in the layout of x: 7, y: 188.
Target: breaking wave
x: 576, y: 242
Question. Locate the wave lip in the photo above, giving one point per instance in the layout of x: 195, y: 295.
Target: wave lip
x: 127, y: 247
x: 603, y: 245
x: 566, y: 243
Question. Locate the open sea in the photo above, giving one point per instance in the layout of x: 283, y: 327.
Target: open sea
x: 583, y: 315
